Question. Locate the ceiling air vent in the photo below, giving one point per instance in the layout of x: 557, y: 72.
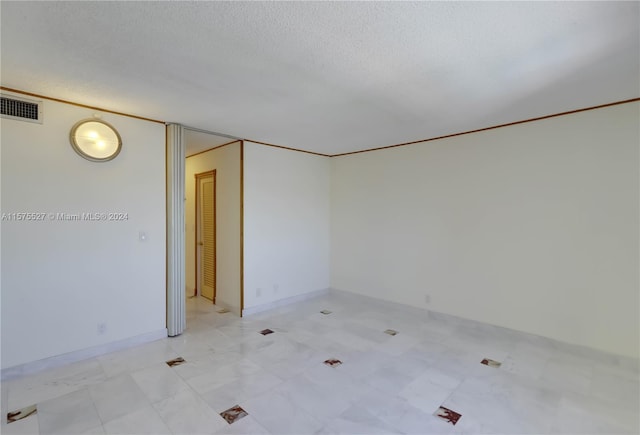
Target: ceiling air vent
x: 21, y: 109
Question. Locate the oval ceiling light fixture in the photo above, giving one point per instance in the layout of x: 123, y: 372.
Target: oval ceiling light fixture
x: 95, y: 140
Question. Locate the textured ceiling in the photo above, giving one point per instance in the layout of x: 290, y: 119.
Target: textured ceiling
x: 329, y: 77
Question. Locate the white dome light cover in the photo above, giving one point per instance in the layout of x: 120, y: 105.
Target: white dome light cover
x: 95, y: 140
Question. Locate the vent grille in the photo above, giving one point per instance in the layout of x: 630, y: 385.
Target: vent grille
x: 21, y: 109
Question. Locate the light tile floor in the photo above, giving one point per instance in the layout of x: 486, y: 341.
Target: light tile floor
x: 385, y: 384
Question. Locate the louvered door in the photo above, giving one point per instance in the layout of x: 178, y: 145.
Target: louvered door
x: 207, y: 238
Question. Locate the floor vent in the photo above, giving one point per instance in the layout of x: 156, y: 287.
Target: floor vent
x: 21, y: 109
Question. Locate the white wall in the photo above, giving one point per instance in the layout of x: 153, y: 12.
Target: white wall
x: 60, y: 279
x: 532, y: 227
x: 286, y: 224
x: 226, y: 162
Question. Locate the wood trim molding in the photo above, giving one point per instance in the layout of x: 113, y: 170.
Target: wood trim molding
x: 288, y: 148
x: 539, y: 118
x: 85, y: 106
x: 214, y: 148
x: 241, y: 227
x: 166, y: 229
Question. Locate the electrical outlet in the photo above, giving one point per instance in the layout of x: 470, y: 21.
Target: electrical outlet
x: 427, y: 299
x: 275, y: 288
x: 258, y: 292
x: 101, y: 328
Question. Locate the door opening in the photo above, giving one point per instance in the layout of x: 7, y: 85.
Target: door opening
x: 206, y: 235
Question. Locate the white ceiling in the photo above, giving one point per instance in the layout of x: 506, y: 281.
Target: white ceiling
x: 330, y: 77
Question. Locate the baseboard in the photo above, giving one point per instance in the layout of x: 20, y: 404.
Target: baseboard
x: 79, y: 355
x: 232, y: 308
x: 282, y: 302
x: 387, y: 303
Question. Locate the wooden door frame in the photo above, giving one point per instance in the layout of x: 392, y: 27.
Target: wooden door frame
x: 198, y: 177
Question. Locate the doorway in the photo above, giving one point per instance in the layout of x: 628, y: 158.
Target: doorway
x: 205, y: 235
x: 206, y: 154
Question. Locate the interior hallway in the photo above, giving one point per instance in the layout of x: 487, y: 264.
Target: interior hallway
x: 384, y: 384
